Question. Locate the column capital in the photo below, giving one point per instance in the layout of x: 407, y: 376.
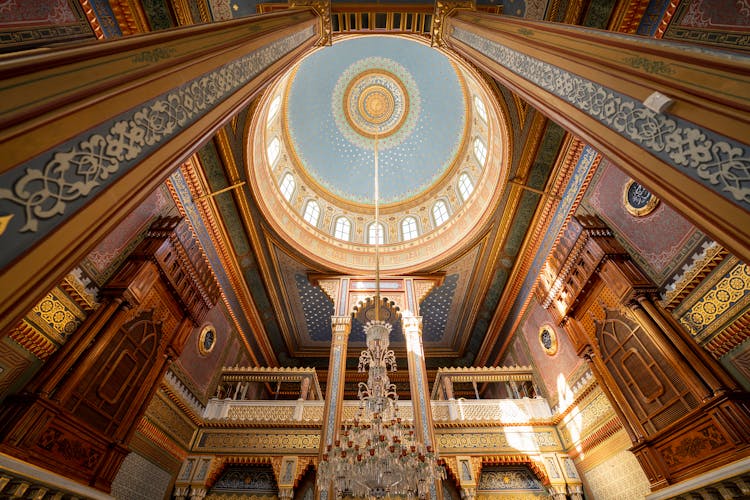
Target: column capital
x: 197, y: 492
x: 323, y: 9
x: 412, y: 324
x: 341, y: 326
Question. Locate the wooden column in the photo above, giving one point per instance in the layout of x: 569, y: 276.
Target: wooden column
x: 693, y: 154
x: 94, y: 128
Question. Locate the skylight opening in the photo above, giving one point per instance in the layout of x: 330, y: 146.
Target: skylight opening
x: 375, y: 234
x: 343, y: 228
x: 409, y: 229
x: 287, y: 187
x: 481, y: 109
x: 312, y: 213
x: 480, y: 151
x: 440, y: 213
x: 465, y: 186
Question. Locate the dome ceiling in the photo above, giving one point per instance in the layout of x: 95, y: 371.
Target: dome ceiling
x: 442, y: 152
x: 361, y: 88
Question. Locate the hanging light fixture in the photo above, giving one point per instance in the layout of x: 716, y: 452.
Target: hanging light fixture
x: 378, y: 453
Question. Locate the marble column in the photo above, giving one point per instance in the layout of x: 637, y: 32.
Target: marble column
x: 420, y: 399
x: 341, y: 328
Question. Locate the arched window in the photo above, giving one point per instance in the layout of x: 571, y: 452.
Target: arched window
x: 287, y: 186
x: 375, y: 234
x: 440, y: 212
x: 465, y: 186
x: 480, y: 151
x: 312, y: 212
x: 409, y: 229
x: 272, y: 150
x: 273, y: 109
x: 481, y: 110
x: 343, y: 228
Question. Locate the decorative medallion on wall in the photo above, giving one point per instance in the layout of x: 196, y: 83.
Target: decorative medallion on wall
x: 638, y: 200
x: 548, y: 340
x: 207, y: 340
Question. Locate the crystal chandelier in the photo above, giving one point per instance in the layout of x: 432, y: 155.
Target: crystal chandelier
x: 378, y: 453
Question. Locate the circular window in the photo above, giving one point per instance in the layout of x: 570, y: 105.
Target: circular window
x: 207, y: 339
x: 548, y: 340
x: 638, y: 200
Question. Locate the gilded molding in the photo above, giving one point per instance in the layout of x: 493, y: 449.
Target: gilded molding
x: 80, y: 290
x: 718, y: 162
x: 731, y: 292
x: 488, y: 440
x: 92, y: 19
x: 204, y: 206
x: 170, y: 419
x: 159, y: 438
x: 443, y: 9
x: 258, y: 441
x: 667, y: 18
x: 130, y: 16
x: 628, y: 16
x: 729, y: 338
x: 182, y: 12
x: 204, y: 10
x: 711, y: 255
x: 323, y: 9
x: 32, y: 340
x: 596, y: 438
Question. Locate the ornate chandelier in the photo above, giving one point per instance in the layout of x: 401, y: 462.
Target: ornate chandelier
x: 378, y: 453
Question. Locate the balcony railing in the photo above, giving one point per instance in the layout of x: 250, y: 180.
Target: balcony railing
x: 499, y: 411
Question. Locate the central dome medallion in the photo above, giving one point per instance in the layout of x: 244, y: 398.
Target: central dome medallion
x: 379, y: 98
x: 408, y: 95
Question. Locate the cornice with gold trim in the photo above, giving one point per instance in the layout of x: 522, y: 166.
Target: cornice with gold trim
x: 562, y: 172
x: 599, y: 436
x: 158, y: 437
x: 627, y: 16
x: 182, y: 12
x: 92, y: 19
x: 243, y: 292
x: 130, y: 16
x: 32, y: 340
x: 667, y: 18
x: 528, y: 155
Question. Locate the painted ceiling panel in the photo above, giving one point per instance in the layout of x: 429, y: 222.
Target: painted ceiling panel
x: 435, y: 308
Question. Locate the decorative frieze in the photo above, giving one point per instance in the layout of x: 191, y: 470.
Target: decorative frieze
x: 260, y: 442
